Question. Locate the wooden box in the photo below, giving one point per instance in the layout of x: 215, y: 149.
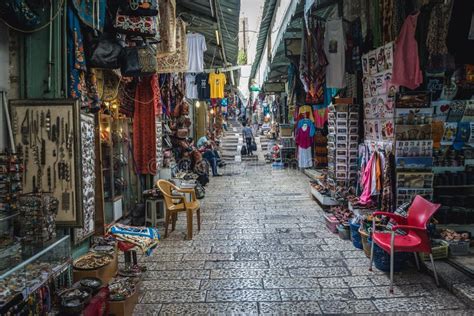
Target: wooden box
x: 124, y: 308
x: 104, y: 274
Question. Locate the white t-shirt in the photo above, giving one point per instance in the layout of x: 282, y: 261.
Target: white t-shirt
x: 196, y: 48
x: 335, y: 48
x: 191, y: 87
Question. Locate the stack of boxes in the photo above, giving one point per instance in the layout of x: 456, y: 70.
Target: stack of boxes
x: 343, y: 141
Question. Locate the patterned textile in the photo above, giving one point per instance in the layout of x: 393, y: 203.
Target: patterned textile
x: 87, y: 12
x: 136, y: 25
x: 178, y: 60
x: 438, y: 29
x: 402, y: 210
x: 127, y: 98
x: 387, y: 21
x: 168, y: 28
x: 304, y: 71
x: 318, y: 63
x: 145, y: 238
x: 147, y: 104
x: 82, y: 85
x: 388, y: 196
x: 320, y: 149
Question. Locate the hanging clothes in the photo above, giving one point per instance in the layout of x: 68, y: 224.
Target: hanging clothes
x: 147, y: 106
x: 309, y: 123
x: 317, y: 67
x: 306, y: 111
x: 388, y: 193
x: 303, y: 140
x: 460, y: 39
x: 366, y: 196
x: 406, y: 63
x: 217, y: 82
x: 335, y: 48
x: 168, y: 28
x: 91, y: 13
x: 438, y: 31
x: 320, y: 113
x: 175, y: 61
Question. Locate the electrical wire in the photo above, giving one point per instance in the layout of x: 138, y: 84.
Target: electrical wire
x: 39, y: 28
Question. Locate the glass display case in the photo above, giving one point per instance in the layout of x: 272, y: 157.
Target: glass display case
x: 37, y: 266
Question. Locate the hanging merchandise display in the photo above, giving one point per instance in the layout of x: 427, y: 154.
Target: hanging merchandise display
x: 335, y: 47
x: 304, y: 139
x: 168, y: 28
x: 191, y: 86
x: 217, y: 81
x: 52, y: 153
x: 406, y: 62
x: 196, y: 44
x: 202, y: 85
x: 177, y: 60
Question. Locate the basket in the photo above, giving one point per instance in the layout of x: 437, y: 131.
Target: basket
x: 459, y: 248
x: 344, y: 231
x: 382, y: 259
x: 440, y: 251
x: 364, y: 236
x: 331, y: 222
x: 355, y: 235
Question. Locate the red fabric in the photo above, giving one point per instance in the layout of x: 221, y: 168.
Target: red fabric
x: 406, y: 64
x: 99, y: 304
x: 365, y: 197
x: 303, y: 139
x: 125, y: 246
x: 147, y: 105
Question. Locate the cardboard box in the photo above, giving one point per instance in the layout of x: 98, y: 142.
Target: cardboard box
x: 126, y: 307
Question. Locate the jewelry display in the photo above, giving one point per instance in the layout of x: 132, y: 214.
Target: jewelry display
x: 48, y: 129
x: 121, y: 288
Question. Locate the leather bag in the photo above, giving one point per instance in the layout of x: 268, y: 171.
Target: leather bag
x: 105, y: 53
x: 138, y: 61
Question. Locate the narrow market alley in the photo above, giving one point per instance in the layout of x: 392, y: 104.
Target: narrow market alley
x: 264, y: 248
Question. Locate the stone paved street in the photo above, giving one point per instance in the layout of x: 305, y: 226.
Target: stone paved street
x: 263, y: 248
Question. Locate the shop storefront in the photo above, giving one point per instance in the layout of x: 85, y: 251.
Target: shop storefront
x: 379, y: 97
x: 101, y: 100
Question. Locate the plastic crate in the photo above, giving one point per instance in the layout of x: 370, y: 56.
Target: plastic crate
x: 459, y: 248
x: 331, y: 222
x: 382, y: 259
x: 440, y: 251
x: 355, y: 235
x: 344, y: 231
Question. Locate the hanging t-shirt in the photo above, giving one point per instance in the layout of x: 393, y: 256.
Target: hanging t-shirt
x: 202, y: 86
x: 191, y: 88
x: 335, y: 48
x: 217, y: 83
x: 196, y: 48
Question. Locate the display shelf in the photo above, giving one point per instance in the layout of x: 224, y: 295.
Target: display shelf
x: 450, y: 169
x: 464, y: 186
x: 324, y: 200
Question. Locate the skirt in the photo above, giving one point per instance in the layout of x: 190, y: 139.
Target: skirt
x: 304, y: 157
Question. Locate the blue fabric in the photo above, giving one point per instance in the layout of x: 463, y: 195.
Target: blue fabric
x: 149, y: 232
x: 312, y: 128
x: 329, y: 93
x: 224, y: 102
x: 86, y: 11
x: 201, y: 141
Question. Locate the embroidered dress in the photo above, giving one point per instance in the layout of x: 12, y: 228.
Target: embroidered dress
x: 176, y: 61
x: 147, y: 106
x: 304, y: 140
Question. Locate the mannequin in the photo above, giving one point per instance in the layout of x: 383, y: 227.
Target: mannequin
x: 304, y: 139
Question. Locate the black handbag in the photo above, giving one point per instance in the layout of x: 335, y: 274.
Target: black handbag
x: 105, y: 53
x: 243, y: 150
x: 129, y: 62
x: 139, y: 7
x: 253, y: 146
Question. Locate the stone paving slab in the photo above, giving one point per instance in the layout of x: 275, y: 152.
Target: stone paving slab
x: 263, y: 248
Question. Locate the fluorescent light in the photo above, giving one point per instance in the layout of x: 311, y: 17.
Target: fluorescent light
x: 217, y: 38
x: 212, y: 8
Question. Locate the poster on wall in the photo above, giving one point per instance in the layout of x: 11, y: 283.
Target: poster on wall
x: 88, y: 178
x: 44, y: 133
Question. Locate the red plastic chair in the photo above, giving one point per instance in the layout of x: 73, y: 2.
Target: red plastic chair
x: 417, y: 238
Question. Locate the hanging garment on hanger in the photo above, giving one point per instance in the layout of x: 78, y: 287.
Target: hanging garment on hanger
x: 406, y: 63
x: 388, y: 193
x: 366, y: 196
x: 217, y: 83
x: 335, y: 48
x: 320, y: 113
x: 306, y: 110
x: 309, y: 123
x: 196, y: 47
x: 191, y: 87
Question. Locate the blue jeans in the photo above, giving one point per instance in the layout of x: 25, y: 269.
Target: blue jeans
x: 210, y: 156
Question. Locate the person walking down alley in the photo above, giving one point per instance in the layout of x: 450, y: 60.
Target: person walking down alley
x: 248, y: 136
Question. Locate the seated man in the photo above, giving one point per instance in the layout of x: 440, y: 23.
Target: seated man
x: 210, y: 155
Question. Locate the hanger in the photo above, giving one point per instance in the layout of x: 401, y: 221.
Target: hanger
x: 217, y: 71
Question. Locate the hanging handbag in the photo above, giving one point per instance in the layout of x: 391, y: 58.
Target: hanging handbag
x: 129, y: 62
x: 104, y: 53
x: 147, y: 60
x: 139, y: 7
x: 146, y: 26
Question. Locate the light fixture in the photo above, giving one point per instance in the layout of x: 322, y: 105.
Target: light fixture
x: 212, y: 8
x: 212, y: 111
x: 217, y: 38
x: 198, y: 104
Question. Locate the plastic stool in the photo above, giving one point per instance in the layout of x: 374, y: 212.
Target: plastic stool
x: 154, y: 212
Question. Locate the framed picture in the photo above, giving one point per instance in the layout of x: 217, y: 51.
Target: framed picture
x: 88, y: 178
x: 45, y: 132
